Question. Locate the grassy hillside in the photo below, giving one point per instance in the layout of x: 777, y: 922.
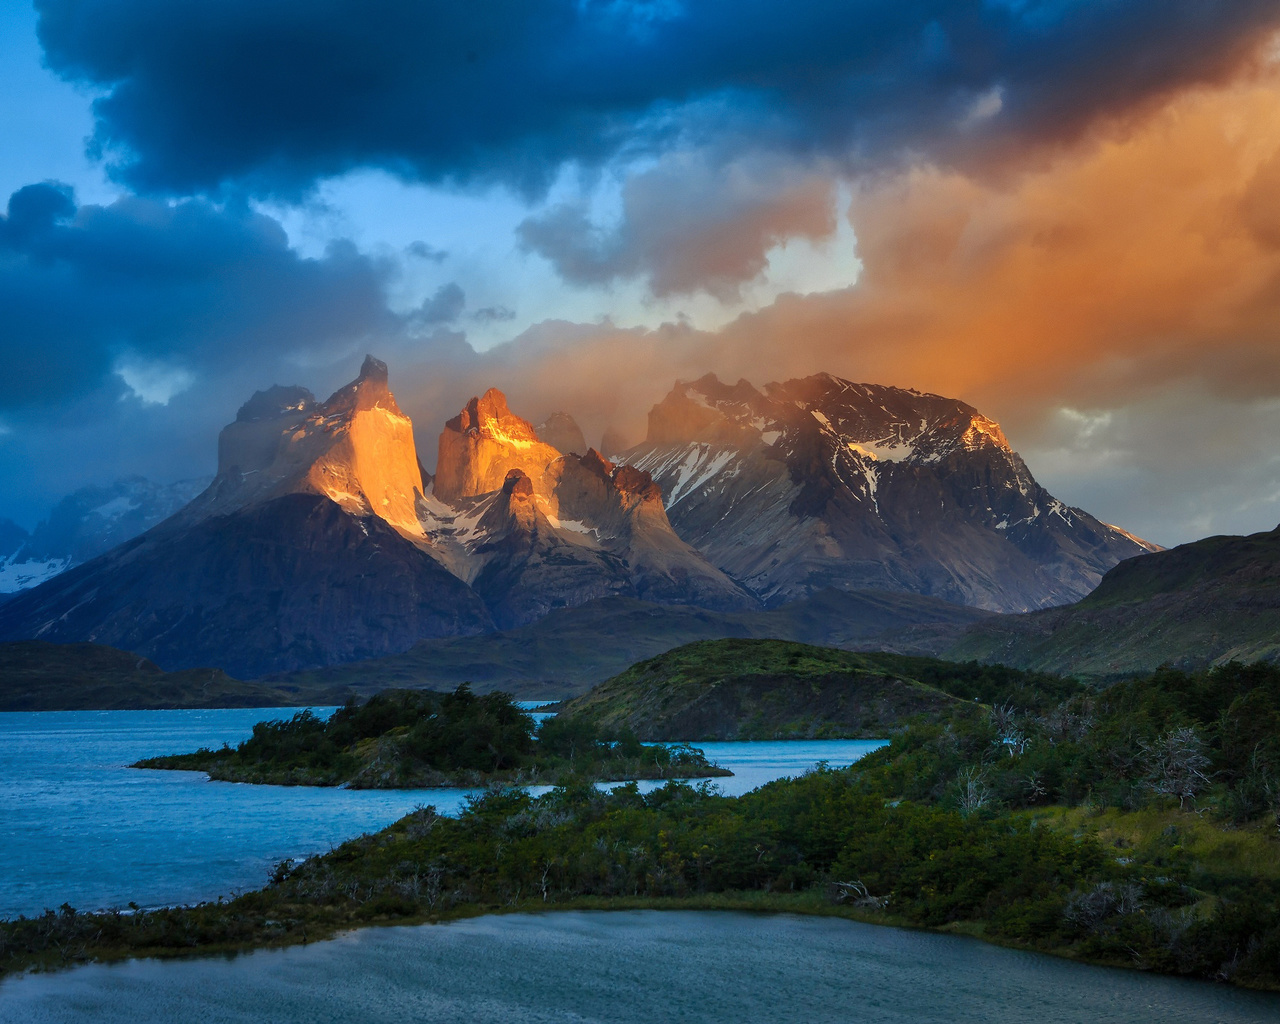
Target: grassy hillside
x: 1206, y: 603
x: 572, y: 649
x: 771, y: 689
x: 38, y: 676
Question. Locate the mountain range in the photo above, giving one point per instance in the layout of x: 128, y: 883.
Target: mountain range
x: 323, y: 540
x: 85, y: 524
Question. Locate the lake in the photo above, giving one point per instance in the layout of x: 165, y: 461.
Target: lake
x: 78, y: 826
x: 646, y: 967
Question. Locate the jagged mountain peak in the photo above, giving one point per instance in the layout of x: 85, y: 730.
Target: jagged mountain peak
x: 596, y: 463
x: 373, y: 370
x: 873, y: 421
x: 526, y: 524
x: 370, y: 390
x: 489, y: 414
x: 518, y: 483
x: 820, y: 481
x: 708, y: 410
x: 274, y: 402
x: 482, y: 443
x: 561, y: 431
x: 594, y: 489
x: 882, y: 422
x: 355, y: 448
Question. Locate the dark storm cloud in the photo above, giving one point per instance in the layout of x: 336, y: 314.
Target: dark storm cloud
x: 444, y: 307
x: 131, y: 333
x: 187, y: 286
x: 270, y: 95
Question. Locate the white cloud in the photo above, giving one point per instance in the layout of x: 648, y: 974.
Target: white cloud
x: 984, y: 107
x: 151, y: 382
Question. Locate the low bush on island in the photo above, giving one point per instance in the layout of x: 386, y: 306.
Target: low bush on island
x: 405, y: 739
x: 1136, y: 826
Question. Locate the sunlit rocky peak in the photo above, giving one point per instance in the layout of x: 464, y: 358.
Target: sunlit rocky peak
x: 355, y: 448
x: 480, y: 445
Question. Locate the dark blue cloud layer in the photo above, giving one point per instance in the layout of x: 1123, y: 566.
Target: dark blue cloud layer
x: 209, y: 296
x: 187, y: 284
x: 269, y: 95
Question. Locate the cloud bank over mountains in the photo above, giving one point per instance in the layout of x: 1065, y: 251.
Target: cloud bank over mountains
x: 1066, y: 212
x: 271, y: 95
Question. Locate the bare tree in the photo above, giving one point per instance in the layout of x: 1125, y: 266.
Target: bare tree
x: 1009, y: 730
x: 1177, y: 764
x: 974, y: 791
x: 856, y: 893
x: 1093, y: 906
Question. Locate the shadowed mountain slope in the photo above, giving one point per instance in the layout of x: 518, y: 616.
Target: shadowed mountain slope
x: 288, y: 583
x: 572, y: 649
x: 1208, y: 602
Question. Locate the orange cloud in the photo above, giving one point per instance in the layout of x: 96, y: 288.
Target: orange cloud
x: 1147, y: 252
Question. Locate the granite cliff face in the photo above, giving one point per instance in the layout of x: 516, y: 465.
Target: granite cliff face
x: 356, y: 449
x: 532, y: 528
x: 821, y: 482
x: 480, y: 445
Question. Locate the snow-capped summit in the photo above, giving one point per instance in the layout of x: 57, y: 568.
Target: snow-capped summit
x: 821, y: 482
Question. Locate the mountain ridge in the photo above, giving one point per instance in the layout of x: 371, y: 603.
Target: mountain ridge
x: 1199, y: 604
x: 822, y: 482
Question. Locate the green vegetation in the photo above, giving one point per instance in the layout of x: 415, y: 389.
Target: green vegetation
x: 402, y: 739
x: 774, y: 689
x: 1135, y: 826
x: 39, y: 676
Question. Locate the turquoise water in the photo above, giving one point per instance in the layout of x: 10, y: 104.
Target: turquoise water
x: 629, y: 967
x: 77, y: 826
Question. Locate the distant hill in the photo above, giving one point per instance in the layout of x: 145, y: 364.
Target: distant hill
x: 1204, y: 603
x: 38, y: 676
x: 572, y: 649
x: 770, y: 689
x: 563, y: 654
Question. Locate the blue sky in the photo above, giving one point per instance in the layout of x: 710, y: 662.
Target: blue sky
x: 1060, y: 211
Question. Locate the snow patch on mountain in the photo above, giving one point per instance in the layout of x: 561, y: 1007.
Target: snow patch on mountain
x: 862, y: 485
x: 16, y: 576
